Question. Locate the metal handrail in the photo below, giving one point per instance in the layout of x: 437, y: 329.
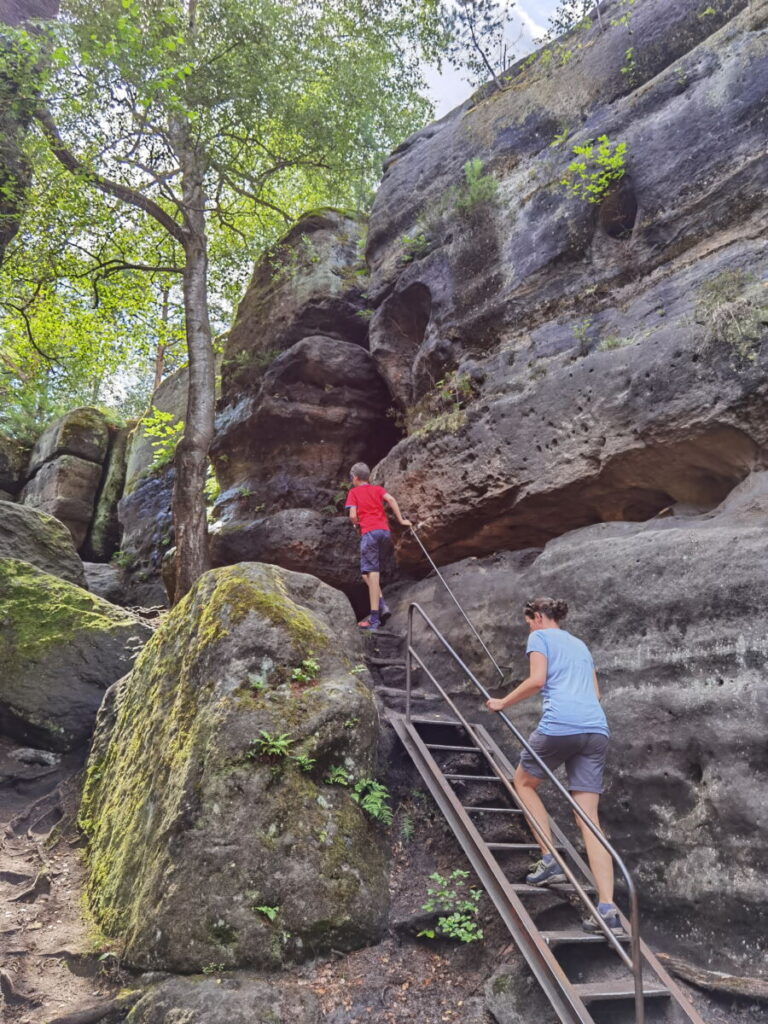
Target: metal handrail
x: 635, y: 963
x: 455, y: 600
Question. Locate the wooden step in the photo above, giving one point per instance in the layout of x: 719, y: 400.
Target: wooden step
x: 576, y: 938
x: 559, y: 888
x: 624, y: 989
x: 457, y: 750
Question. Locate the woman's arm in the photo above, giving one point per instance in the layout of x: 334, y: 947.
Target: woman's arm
x: 537, y: 677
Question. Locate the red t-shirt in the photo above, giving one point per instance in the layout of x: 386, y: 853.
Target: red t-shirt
x: 368, y: 500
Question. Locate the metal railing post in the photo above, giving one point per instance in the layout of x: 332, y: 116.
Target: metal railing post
x: 408, y: 665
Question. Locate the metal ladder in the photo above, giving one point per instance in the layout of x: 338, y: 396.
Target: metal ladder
x: 588, y: 978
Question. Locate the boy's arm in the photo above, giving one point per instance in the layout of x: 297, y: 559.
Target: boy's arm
x: 396, y: 509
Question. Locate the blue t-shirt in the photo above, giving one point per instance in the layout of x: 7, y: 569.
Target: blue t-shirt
x: 570, y: 704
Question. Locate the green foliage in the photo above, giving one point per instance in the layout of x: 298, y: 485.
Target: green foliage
x: 338, y: 776
x: 443, y: 407
x: 269, y: 912
x: 357, y: 670
x: 165, y: 432
x: 211, y: 488
x: 123, y: 559
x: 269, y: 745
x: 407, y: 828
x: 591, y: 177
x: 304, y: 762
x: 307, y: 672
x: 374, y: 800
x: 477, y: 191
x: 213, y: 968
x: 413, y: 246
x: 613, y: 341
x: 257, y: 682
x: 733, y: 308
x: 458, y: 905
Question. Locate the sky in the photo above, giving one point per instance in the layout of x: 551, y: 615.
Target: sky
x: 450, y: 88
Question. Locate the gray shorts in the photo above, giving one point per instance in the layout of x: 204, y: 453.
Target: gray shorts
x: 583, y: 755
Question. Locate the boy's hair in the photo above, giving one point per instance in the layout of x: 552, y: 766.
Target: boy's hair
x: 361, y: 471
x: 550, y: 607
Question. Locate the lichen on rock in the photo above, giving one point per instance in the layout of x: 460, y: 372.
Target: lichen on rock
x: 192, y: 827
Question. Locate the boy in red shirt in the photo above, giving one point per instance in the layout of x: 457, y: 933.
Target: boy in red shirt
x: 366, y: 510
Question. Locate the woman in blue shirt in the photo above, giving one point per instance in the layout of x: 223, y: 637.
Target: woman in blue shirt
x: 573, y: 732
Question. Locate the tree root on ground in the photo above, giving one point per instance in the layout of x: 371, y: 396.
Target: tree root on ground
x: 716, y: 981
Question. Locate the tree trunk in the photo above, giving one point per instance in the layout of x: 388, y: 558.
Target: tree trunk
x: 189, y: 513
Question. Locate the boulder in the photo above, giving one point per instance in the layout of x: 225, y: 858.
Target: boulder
x: 146, y: 518
x: 204, y: 847
x: 310, y: 283
x: 13, y: 463
x: 82, y: 432
x: 234, y: 998
x: 65, y: 469
x: 107, y: 582
x: 33, y: 536
x: 671, y: 612
x: 555, y: 362
x: 513, y: 996
x: 66, y: 488
x: 60, y: 648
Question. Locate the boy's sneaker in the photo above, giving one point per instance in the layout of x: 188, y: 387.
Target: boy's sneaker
x: 546, y: 872
x: 610, y: 916
x: 369, y: 623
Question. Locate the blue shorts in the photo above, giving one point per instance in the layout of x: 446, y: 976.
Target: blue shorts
x: 583, y: 755
x: 374, y: 548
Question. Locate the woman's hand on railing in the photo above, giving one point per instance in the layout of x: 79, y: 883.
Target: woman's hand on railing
x: 495, y: 704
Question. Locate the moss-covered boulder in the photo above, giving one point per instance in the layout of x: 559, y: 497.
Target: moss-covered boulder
x: 204, y: 847
x: 33, y: 536
x: 60, y: 648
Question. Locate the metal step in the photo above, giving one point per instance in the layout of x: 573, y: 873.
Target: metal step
x: 560, y: 888
x: 516, y: 846
x: 456, y: 750
x: 576, y: 938
x: 601, y: 990
x: 493, y: 810
x: 473, y: 778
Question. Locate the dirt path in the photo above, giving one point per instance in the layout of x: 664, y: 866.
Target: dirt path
x: 49, y: 957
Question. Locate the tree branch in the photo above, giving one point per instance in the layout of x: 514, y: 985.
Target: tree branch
x: 111, y: 188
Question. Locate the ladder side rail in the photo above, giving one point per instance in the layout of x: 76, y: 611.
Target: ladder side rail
x: 634, y: 912
x: 499, y: 773
x: 545, y: 966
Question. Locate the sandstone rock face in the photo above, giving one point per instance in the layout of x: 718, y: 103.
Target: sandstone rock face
x: 33, y: 536
x: 65, y: 469
x: 302, y: 400
x: 193, y: 826
x: 170, y: 397
x: 104, y: 534
x: 60, y: 648
x: 307, y: 286
x: 560, y: 363
x: 237, y: 999
x: 672, y: 611
x: 13, y: 463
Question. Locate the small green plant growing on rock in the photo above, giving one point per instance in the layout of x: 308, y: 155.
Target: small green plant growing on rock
x: 457, y: 903
x: 164, y: 432
x: 733, y: 311
x: 337, y: 776
x: 477, y: 190
x: 307, y: 672
x: 374, y: 800
x: 270, y: 745
x: 123, y: 559
x: 414, y: 246
x: 213, y: 968
x: 268, y: 912
x: 256, y: 682
x: 600, y: 165
x: 303, y: 762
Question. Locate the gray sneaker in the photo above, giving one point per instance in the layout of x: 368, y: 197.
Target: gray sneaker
x: 612, y: 921
x: 546, y: 874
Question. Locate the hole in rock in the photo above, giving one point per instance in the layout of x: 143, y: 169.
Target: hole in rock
x: 695, y: 772
x: 618, y: 211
